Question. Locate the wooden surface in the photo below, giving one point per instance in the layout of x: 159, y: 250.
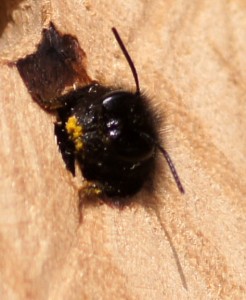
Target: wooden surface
x: 190, y: 56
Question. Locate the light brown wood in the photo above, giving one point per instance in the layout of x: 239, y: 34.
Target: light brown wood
x: 190, y: 56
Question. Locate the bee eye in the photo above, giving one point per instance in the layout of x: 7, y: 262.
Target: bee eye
x: 132, y: 147
x: 124, y: 126
x: 118, y: 102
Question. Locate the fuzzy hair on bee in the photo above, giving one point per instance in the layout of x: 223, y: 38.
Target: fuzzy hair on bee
x: 111, y: 133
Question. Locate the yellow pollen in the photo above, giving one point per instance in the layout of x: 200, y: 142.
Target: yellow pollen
x: 78, y: 145
x: 75, y: 132
x: 98, y: 191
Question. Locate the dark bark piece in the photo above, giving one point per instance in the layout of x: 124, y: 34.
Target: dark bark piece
x: 58, y: 63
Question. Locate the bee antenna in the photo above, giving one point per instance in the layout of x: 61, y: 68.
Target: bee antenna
x: 168, y: 160
x: 128, y: 58
x: 172, y: 168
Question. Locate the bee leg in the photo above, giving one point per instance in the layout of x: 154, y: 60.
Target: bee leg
x: 66, y: 147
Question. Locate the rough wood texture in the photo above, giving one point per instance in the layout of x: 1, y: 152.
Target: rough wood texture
x: 190, y: 56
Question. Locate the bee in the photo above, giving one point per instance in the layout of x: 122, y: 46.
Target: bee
x: 110, y: 133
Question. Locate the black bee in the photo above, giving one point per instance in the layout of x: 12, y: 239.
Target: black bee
x: 110, y: 133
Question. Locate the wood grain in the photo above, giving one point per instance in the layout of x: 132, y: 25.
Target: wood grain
x: 190, y: 56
